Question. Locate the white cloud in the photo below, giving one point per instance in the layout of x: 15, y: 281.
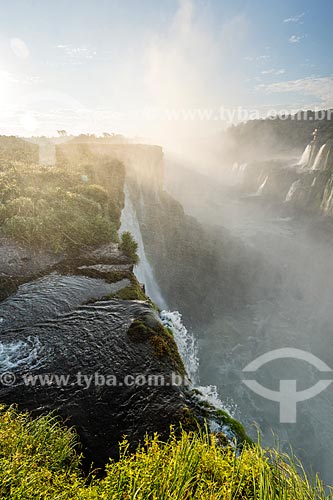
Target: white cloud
x: 319, y: 87
x: 294, y: 19
x: 295, y: 38
x: 19, y: 48
x: 263, y: 57
x: 82, y: 52
x: 273, y: 71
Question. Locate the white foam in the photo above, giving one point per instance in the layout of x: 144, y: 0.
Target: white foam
x: 20, y: 353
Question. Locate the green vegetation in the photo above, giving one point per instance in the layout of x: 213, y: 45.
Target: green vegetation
x: 159, y: 337
x: 38, y: 461
x: 57, y: 208
x: 129, y: 246
x: 134, y: 291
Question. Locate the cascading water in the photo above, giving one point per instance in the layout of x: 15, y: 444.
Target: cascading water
x: 185, y: 340
x: 241, y: 170
x: 318, y: 159
x: 305, y: 158
x: 292, y: 191
x: 262, y: 186
x: 143, y: 271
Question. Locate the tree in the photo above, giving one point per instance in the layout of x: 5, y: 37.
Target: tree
x: 129, y: 246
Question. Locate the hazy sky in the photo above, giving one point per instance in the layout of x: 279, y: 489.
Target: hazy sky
x: 125, y: 65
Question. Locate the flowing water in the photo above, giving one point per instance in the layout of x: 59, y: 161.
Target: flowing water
x: 262, y: 186
x: 292, y: 190
x: 143, y: 270
x: 304, y: 160
x: 185, y: 340
x: 318, y: 159
x: 42, y: 300
x: 297, y: 314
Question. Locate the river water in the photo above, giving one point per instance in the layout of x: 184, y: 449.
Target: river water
x: 298, y: 313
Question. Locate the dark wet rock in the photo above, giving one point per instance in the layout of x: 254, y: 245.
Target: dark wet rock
x: 94, y: 340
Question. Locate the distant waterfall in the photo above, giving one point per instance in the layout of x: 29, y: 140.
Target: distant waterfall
x: 238, y: 169
x: 186, y: 343
x: 262, y: 186
x: 305, y: 158
x: 292, y: 190
x: 241, y: 170
x: 318, y: 157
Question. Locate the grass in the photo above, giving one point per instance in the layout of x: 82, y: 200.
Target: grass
x: 38, y: 460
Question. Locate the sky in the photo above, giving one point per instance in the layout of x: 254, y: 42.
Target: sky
x: 147, y: 68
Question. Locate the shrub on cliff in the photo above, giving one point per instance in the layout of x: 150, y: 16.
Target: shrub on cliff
x: 54, y: 208
x: 38, y: 461
x: 129, y: 246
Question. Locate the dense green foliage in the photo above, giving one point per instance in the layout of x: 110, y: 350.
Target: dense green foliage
x: 129, y: 246
x: 55, y: 207
x: 38, y: 461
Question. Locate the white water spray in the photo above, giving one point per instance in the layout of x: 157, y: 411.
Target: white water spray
x: 318, y: 157
x: 292, y: 190
x: 185, y: 340
x: 21, y: 353
x: 262, y: 186
x: 305, y: 158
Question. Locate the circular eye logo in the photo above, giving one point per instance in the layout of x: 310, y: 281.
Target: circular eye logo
x: 287, y: 396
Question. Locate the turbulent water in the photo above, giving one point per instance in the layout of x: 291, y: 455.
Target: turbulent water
x: 186, y: 342
x: 38, y: 301
x: 47, y: 297
x: 297, y: 313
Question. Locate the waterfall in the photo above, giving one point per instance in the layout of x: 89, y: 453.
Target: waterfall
x: 304, y: 160
x: 143, y: 271
x: 318, y: 158
x: 188, y: 350
x: 292, y: 190
x: 262, y: 186
x: 241, y: 170
x: 186, y: 343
